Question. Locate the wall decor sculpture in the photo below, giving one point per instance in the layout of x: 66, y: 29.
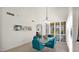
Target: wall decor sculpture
x: 22, y: 28
x: 9, y: 13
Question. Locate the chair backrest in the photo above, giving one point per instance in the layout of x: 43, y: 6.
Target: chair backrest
x: 36, y: 44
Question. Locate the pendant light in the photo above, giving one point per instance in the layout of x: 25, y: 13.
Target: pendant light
x: 46, y: 18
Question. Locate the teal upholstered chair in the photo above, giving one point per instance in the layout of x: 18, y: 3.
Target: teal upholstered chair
x: 51, y: 43
x: 36, y: 44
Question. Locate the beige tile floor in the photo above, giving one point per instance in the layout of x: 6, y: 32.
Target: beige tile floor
x: 60, y: 47
x: 77, y: 47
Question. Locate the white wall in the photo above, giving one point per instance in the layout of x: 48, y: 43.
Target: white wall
x: 58, y: 14
x: 75, y: 26
x: 0, y: 27
x: 69, y: 24
x: 23, y: 16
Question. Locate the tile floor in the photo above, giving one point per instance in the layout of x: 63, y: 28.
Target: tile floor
x: 77, y: 47
x: 60, y: 47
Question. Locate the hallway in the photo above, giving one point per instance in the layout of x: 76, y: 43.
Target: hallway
x: 21, y: 25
